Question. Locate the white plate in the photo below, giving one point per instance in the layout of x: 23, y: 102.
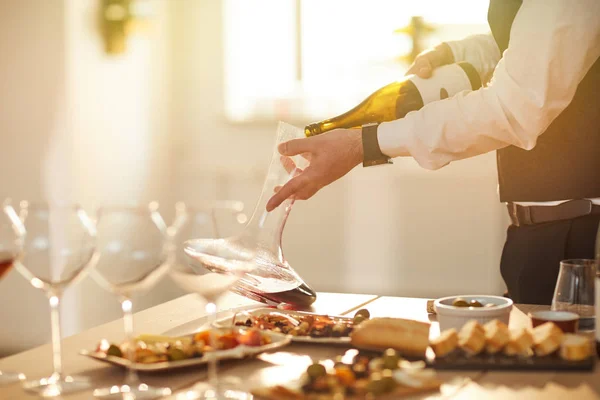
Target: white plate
x: 239, y: 352
x: 227, y: 322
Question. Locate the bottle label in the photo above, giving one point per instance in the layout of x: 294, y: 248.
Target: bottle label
x: 445, y: 82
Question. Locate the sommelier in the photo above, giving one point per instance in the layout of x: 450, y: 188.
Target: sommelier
x: 539, y: 109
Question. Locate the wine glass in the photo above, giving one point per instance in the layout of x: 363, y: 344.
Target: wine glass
x: 134, y: 256
x: 10, y: 249
x: 58, y: 242
x: 210, y: 267
x: 215, y: 219
x: 210, y: 220
x: 575, y: 290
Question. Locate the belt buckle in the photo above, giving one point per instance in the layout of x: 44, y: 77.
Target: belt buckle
x: 515, y: 214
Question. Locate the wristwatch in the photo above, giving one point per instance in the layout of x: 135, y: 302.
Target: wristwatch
x: 372, y: 154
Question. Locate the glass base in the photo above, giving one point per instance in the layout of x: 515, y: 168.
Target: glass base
x: 54, y: 387
x: 10, y: 377
x: 228, y: 389
x: 126, y: 392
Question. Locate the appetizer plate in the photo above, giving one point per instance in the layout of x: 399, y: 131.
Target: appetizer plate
x: 236, y: 353
x: 244, y: 315
x: 354, y: 376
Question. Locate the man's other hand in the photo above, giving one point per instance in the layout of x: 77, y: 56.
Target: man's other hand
x: 331, y: 156
x: 429, y: 60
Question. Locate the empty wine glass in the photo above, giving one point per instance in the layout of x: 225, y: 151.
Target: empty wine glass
x: 10, y: 249
x: 58, y: 251
x: 134, y: 256
x: 212, y: 266
x: 215, y: 220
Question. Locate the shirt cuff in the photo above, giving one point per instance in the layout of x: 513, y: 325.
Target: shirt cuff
x: 398, y: 139
x: 457, y: 49
x: 393, y: 138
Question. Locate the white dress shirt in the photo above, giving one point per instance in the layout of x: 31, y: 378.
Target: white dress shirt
x: 553, y: 44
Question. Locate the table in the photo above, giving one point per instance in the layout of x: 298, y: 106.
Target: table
x: 188, y: 312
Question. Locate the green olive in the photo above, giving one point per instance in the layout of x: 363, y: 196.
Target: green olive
x: 387, y: 377
x: 390, y: 359
x: 460, y: 303
x: 376, y: 385
x: 358, y: 319
x: 364, y: 312
x: 114, y: 350
x: 475, y: 303
x: 175, y: 354
x: 315, y: 371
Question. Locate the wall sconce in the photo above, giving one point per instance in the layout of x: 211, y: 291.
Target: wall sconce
x: 418, y: 30
x: 119, y: 18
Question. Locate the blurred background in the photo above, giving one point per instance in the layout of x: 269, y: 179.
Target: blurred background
x: 128, y: 101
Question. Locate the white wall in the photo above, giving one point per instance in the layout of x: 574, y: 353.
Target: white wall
x: 32, y: 102
x: 398, y: 230
x: 118, y: 108
x: 78, y: 125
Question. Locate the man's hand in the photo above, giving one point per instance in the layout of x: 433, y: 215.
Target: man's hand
x: 429, y: 60
x: 331, y: 155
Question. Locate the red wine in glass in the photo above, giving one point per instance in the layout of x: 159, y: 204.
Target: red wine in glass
x: 6, y: 263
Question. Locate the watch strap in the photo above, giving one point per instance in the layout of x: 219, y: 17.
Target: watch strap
x: 372, y: 154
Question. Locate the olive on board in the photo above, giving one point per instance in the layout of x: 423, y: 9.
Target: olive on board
x: 316, y: 370
x: 114, y: 350
x: 390, y: 359
x: 175, y: 354
x: 376, y: 385
x: 388, y: 380
x: 364, y: 312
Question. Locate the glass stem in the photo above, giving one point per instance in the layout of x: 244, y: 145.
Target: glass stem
x: 54, y: 299
x: 131, y: 379
x: 213, y: 378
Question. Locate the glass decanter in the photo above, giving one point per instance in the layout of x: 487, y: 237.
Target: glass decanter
x: 273, y: 281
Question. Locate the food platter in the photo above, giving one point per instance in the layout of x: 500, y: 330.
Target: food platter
x: 329, y: 329
x: 240, y: 351
x: 356, y: 375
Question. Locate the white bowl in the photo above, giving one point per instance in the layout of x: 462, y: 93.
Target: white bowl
x: 450, y: 316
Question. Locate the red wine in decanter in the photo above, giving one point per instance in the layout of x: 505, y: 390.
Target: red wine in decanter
x: 6, y: 262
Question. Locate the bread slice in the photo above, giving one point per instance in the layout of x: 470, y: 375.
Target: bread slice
x: 497, y: 336
x: 445, y: 343
x: 519, y: 343
x: 575, y: 347
x: 407, y: 336
x: 546, y: 338
x: 472, y: 337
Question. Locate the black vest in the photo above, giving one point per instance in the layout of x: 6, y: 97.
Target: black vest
x: 565, y: 163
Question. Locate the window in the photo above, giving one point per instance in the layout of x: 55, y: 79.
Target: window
x: 306, y: 60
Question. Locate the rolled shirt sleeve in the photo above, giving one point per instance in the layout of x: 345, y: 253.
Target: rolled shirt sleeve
x: 481, y: 51
x: 553, y: 44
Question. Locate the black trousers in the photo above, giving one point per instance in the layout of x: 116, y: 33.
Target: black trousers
x: 532, y: 255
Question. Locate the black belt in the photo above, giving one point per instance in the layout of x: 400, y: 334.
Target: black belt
x: 528, y: 215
